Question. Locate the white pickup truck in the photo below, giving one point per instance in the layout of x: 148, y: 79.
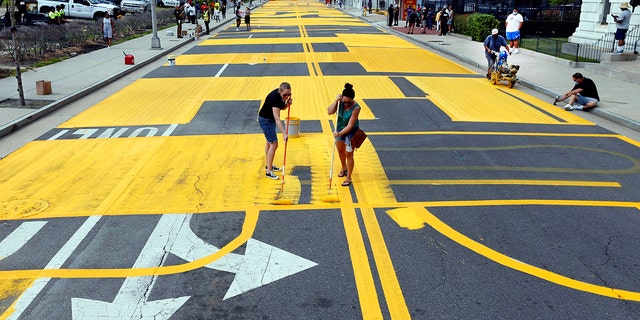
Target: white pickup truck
x: 88, y: 9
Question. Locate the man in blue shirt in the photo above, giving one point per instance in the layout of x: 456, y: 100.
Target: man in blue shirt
x: 492, y: 45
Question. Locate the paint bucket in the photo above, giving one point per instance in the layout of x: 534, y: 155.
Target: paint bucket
x: 294, y: 127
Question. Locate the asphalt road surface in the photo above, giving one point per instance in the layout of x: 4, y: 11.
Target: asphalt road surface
x: 469, y: 200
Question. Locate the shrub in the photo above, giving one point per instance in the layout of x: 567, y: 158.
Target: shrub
x: 479, y: 25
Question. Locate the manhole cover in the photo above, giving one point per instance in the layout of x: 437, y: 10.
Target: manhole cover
x: 17, y: 209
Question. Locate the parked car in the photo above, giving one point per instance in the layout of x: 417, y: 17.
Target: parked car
x: 134, y: 6
x: 168, y: 3
x: 88, y: 9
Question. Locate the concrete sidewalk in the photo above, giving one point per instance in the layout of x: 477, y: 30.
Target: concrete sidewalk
x: 618, y: 82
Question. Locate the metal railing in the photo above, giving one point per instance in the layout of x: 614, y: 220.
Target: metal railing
x: 582, y: 52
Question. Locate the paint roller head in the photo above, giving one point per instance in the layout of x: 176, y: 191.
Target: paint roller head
x: 330, y: 198
x: 282, y: 202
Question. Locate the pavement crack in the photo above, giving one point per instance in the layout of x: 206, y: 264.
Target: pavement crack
x: 200, y: 193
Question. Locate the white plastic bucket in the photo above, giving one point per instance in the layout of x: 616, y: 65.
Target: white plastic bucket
x: 172, y: 60
x: 294, y: 126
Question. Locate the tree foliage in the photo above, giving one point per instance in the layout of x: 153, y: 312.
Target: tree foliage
x: 478, y: 26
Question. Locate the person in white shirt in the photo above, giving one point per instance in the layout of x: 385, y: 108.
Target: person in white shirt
x: 512, y: 25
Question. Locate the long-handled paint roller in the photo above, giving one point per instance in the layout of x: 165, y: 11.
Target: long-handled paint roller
x: 332, y: 197
x: 278, y: 198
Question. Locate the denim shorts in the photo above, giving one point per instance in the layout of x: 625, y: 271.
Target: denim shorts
x: 584, y: 100
x: 347, y: 137
x: 269, y: 128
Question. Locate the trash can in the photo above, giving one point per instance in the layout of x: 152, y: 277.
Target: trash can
x: 294, y: 127
x: 172, y: 60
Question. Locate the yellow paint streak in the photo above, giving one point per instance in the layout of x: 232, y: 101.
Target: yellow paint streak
x: 507, y: 261
x: 10, y: 290
x: 369, y: 303
x: 509, y: 182
x: 390, y: 285
x: 404, y: 60
x: 369, y: 178
x: 407, y: 218
x: 172, y: 174
x: 476, y: 100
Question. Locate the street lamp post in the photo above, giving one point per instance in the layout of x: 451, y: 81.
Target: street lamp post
x: 155, y: 41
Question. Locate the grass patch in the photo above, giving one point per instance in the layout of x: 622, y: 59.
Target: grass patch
x: 48, y: 62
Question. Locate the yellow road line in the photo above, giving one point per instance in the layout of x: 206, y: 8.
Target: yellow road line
x: 369, y: 303
x: 492, y: 133
x: 390, y: 285
x: 248, y: 227
x: 507, y: 261
x: 508, y: 182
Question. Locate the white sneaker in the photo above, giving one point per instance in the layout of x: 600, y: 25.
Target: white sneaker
x: 618, y: 52
x: 568, y: 107
x: 516, y: 51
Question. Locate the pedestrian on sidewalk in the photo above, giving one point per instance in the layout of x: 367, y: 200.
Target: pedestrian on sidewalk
x: 492, y: 46
x: 424, y: 21
x: 223, y: 10
x: 179, y: 13
x: 450, y: 19
x: 430, y: 19
x: 584, y: 95
x: 413, y: 17
x: 206, y: 16
x: 396, y: 14
x: 269, y: 117
x: 390, y: 14
x: 512, y: 25
x: 444, y: 23
x: 348, y: 110
x: 622, y: 25
x: 408, y: 12
x: 108, y: 28
x: 438, y: 20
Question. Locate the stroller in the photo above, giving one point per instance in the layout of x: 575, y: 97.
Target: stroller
x: 501, y: 71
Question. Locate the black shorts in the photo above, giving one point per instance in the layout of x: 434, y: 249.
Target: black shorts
x: 621, y: 34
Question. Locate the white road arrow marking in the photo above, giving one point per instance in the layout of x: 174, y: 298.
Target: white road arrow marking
x: 131, y: 301
x: 261, y: 264
x: 19, y: 237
